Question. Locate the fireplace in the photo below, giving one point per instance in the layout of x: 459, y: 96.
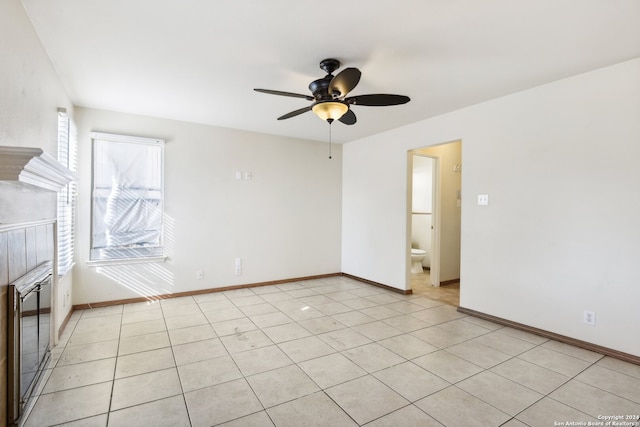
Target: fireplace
x: 30, y: 180
x: 29, y: 335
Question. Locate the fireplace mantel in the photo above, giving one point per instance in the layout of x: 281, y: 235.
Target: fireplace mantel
x: 33, y: 167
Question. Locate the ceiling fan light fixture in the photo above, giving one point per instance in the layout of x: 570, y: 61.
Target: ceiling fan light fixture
x: 330, y: 110
x: 330, y: 95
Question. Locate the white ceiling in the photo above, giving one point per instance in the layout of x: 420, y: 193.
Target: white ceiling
x: 198, y: 60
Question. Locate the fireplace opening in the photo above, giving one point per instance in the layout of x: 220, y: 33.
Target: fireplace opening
x: 29, y: 335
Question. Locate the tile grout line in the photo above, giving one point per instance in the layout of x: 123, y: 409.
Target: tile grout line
x: 548, y: 394
x: 512, y: 417
x: 244, y: 377
x: 173, y: 355
x: 121, y: 317
x: 113, y: 381
x: 296, y: 321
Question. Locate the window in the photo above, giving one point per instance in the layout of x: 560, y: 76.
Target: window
x: 67, y: 196
x: 127, y: 198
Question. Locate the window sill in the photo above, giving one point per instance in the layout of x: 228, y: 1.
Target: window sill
x: 125, y: 261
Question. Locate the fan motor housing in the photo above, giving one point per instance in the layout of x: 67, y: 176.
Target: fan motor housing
x: 320, y: 88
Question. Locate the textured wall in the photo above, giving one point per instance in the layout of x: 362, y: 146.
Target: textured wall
x: 560, y: 234
x: 30, y: 94
x: 284, y: 222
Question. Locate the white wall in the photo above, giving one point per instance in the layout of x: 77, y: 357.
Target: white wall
x: 284, y: 222
x: 422, y: 189
x: 30, y: 94
x: 560, y: 235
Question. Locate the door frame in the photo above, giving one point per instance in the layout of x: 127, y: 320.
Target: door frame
x: 440, y: 262
x: 436, y: 222
x: 434, y: 253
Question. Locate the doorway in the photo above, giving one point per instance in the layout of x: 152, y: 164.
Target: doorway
x: 444, y: 212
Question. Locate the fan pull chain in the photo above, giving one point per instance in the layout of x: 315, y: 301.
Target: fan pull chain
x: 329, y: 139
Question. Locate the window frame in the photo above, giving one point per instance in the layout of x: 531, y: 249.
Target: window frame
x: 67, y: 196
x: 132, y: 258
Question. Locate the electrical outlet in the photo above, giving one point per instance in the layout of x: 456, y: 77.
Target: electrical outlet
x: 483, y: 199
x: 200, y: 274
x: 238, y: 266
x: 590, y: 317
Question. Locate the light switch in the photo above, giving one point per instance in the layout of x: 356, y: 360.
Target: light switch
x: 483, y: 199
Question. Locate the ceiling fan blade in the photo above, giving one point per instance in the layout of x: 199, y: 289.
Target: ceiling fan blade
x: 295, y: 113
x: 348, y: 118
x: 278, y: 92
x: 344, y: 82
x: 377, y: 100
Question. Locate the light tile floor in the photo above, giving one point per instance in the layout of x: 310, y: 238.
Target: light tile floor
x: 448, y: 293
x: 327, y: 352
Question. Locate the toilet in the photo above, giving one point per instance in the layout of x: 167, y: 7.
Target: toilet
x: 417, y: 255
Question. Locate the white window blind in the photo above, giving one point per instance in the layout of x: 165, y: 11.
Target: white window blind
x: 67, y: 196
x: 127, y: 197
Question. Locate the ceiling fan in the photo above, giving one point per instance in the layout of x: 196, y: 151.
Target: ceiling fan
x: 329, y: 95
